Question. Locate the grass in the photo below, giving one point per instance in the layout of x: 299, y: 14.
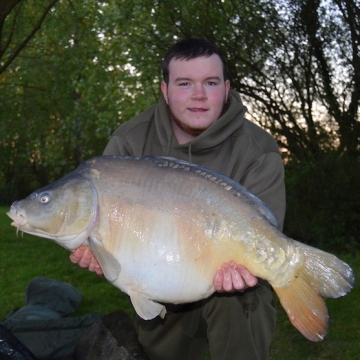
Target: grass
x: 24, y: 257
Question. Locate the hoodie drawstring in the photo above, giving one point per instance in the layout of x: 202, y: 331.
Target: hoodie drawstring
x: 169, y: 146
x: 190, y: 154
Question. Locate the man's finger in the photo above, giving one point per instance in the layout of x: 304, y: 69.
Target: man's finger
x: 247, y: 276
x: 227, y: 281
x: 218, y: 281
x: 237, y: 280
x: 77, y: 254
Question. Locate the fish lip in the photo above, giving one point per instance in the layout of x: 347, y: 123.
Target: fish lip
x: 18, y: 218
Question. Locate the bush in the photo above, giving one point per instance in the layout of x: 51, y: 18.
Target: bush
x: 323, y: 203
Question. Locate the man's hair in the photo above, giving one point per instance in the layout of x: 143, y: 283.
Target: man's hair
x: 188, y: 49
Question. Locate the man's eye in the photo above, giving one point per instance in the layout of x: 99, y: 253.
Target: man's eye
x: 212, y: 83
x: 183, y: 84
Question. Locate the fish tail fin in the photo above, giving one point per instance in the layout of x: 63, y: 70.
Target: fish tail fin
x: 321, y: 275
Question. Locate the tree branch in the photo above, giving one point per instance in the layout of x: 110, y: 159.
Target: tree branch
x: 28, y: 38
x: 5, y: 9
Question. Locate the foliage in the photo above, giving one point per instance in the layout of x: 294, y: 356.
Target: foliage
x: 323, y: 203
x: 63, y: 97
x: 295, y: 62
x: 27, y: 256
x: 17, y: 32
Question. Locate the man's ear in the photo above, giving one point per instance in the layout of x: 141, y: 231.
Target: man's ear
x: 164, y: 91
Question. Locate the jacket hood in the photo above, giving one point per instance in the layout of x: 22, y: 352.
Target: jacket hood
x: 231, y: 120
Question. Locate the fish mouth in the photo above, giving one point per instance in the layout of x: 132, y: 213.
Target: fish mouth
x: 18, y: 217
x: 22, y: 225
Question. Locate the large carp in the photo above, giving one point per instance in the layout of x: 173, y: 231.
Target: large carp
x: 161, y: 228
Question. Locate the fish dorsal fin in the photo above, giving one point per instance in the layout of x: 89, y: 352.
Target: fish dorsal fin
x: 147, y: 309
x: 109, y: 265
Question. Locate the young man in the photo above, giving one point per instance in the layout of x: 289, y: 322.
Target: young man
x: 199, y: 119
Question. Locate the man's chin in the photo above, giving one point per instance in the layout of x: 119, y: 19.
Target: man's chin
x: 194, y: 131
x: 190, y: 130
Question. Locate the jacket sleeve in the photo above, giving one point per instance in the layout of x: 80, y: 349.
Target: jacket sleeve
x: 265, y: 179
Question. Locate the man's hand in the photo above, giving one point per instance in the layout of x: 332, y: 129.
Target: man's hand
x: 233, y: 277
x: 85, y: 259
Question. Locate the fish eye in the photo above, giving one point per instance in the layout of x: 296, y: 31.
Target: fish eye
x: 44, y: 198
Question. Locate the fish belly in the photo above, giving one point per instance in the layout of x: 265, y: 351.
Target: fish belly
x: 166, y: 257
x: 170, y: 258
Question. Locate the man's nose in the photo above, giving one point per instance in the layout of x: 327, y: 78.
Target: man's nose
x: 199, y: 92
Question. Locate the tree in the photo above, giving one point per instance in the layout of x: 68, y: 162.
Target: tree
x: 61, y: 97
x: 14, y: 39
x: 296, y: 62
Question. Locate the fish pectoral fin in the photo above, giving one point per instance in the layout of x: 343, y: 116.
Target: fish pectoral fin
x: 147, y: 309
x: 109, y: 265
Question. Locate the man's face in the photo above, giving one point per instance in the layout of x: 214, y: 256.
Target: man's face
x: 196, y: 93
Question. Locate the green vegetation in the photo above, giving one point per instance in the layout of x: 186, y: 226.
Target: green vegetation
x: 23, y: 257
x: 323, y: 203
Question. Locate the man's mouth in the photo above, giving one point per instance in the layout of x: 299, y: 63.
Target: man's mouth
x: 198, y: 109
